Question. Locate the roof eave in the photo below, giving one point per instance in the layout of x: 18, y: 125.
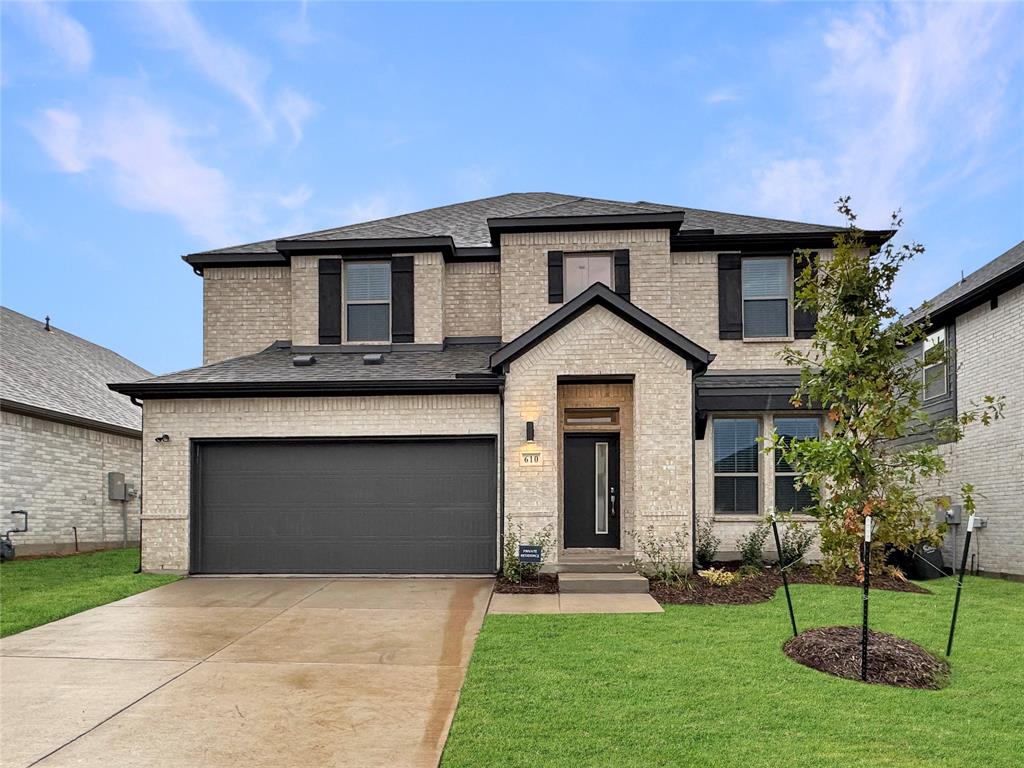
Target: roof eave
x: 444, y: 244
x: 702, y: 241
x: 48, y: 414
x: 941, y: 314
x: 174, y: 390
x: 671, y: 220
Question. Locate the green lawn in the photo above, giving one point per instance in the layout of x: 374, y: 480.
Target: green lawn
x: 33, y: 592
x: 709, y: 686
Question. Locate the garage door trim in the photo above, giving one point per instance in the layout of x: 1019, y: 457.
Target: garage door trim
x: 195, y: 473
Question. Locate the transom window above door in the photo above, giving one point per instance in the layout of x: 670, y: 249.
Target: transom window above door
x: 582, y: 270
x: 767, y: 293
x: 367, y: 301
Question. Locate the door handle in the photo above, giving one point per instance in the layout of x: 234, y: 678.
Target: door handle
x: 612, y: 497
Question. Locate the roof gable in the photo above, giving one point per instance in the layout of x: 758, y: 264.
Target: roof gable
x: 600, y: 295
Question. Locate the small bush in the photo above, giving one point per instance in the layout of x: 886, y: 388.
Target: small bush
x: 660, y: 557
x: 514, y: 570
x: 795, y: 539
x: 751, y: 546
x: 718, y: 577
x: 746, y: 571
x: 707, y: 544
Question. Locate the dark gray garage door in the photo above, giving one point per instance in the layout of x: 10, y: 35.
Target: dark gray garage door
x: 410, y: 506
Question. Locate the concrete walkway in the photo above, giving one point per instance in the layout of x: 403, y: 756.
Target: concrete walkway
x: 566, y: 602
x: 245, y: 672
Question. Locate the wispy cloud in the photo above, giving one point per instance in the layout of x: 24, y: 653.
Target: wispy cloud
x: 295, y: 109
x: 909, y: 99
x: 298, y: 31
x: 721, y: 96
x: 296, y: 198
x: 376, y: 206
x: 221, y: 61
x: 66, y: 38
x: 143, y: 154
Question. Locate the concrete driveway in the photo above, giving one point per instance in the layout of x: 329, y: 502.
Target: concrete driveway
x: 245, y: 672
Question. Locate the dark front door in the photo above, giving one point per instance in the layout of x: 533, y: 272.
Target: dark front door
x: 591, y: 490
x: 359, y: 506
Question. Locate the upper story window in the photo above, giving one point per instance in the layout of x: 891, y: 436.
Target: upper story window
x: 582, y: 270
x: 787, y: 496
x: 767, y: 294
x: 367, y: 301
x: 736, y: 466
x: 934, y: 373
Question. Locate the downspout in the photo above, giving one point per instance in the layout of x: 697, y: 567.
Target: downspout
x: 142, y: 453
x: 501, y: 476
x: 693, y: 474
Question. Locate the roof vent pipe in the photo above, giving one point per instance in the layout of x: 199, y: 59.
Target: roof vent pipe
x: 48, y: 323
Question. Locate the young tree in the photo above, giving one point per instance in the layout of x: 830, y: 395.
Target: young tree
x: 858, y: 370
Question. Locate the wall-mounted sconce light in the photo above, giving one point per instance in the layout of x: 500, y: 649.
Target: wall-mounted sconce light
x: 165, y: 438
x: 529, y: 431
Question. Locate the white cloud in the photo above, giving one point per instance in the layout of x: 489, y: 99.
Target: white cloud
x: 376, y: 206
x: 298, y: 31
x: 296, y: 198
x: 910, y: 95
x: 227, y: 65
x: 721, y: 95
x: 63, y: 35
x: 143, y: 154
x: 295, y: 109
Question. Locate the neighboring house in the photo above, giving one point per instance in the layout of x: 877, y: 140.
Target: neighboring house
x: 392, y: 396
x: 980, y: 320
x: 63, y: 431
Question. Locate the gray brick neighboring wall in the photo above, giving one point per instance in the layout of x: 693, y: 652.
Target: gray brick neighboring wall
x: 600, y: 343
x: 167, y: 465
x: 58, y: 474
x: 428, y: 301
x: 472, y: 299
x: 990, y: 358
x: 245, y: 309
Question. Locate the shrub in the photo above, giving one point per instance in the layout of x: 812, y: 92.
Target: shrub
x: 660, y: 557
x: 512, y: 568
x: 751, y: 546
x: 795, y: 539
x: 707, y: 544
x: 718, y: 577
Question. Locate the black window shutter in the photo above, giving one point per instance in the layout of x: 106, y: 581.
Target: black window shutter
x: 803, y: 321
x: 730, y: 296
x: 620, y: 262
x: 402, y: 301
x: 555, y: 277
x: 330, y: 301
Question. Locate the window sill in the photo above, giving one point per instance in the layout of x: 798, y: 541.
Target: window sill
x: 770, y: 340
x: 726, y: 518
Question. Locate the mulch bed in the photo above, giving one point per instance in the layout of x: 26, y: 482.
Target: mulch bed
x: 891, y: 660
x: 759, y: 588
x: 546, y: 585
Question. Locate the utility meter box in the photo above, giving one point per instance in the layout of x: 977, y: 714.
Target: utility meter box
x: 116, y: 489
x: 950, y: 514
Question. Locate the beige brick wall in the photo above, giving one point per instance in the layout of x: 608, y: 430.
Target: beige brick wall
x: 472, y: 299
x: 990, y: 361
x: 58, y: 474
x: 428, y: 297
x: 600, y: 343
x: 305, y: 300
x: 245, y: 309
x: 166, y: 509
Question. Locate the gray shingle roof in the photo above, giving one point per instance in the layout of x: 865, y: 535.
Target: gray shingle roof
x: 991, y: 272
x: 274, y: 366
x: 58, y: 371
x: 466, y: 222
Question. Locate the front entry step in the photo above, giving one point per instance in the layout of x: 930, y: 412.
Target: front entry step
x: 602, y: 583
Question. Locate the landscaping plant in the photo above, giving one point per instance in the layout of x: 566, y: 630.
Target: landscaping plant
x: 795, y: 540
x: 719, y: 577
x: 751, y: 548
x: 661, y: 557
x: 858, y: 370
x: 707, y: 544
x: 512, y: 568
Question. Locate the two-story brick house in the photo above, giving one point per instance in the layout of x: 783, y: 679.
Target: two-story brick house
x: 390, y: 396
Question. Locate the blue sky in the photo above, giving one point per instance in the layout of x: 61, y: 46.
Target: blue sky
x: 133, y: 133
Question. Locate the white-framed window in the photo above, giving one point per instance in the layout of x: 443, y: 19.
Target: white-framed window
x: 582, y: 270
x: 737, y: 465
x: 367, y: 301
x: 767, y: 296
x: 934, y: 372
x: 789, y: 498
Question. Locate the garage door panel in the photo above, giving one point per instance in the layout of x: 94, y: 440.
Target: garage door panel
x: 346, y: 507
